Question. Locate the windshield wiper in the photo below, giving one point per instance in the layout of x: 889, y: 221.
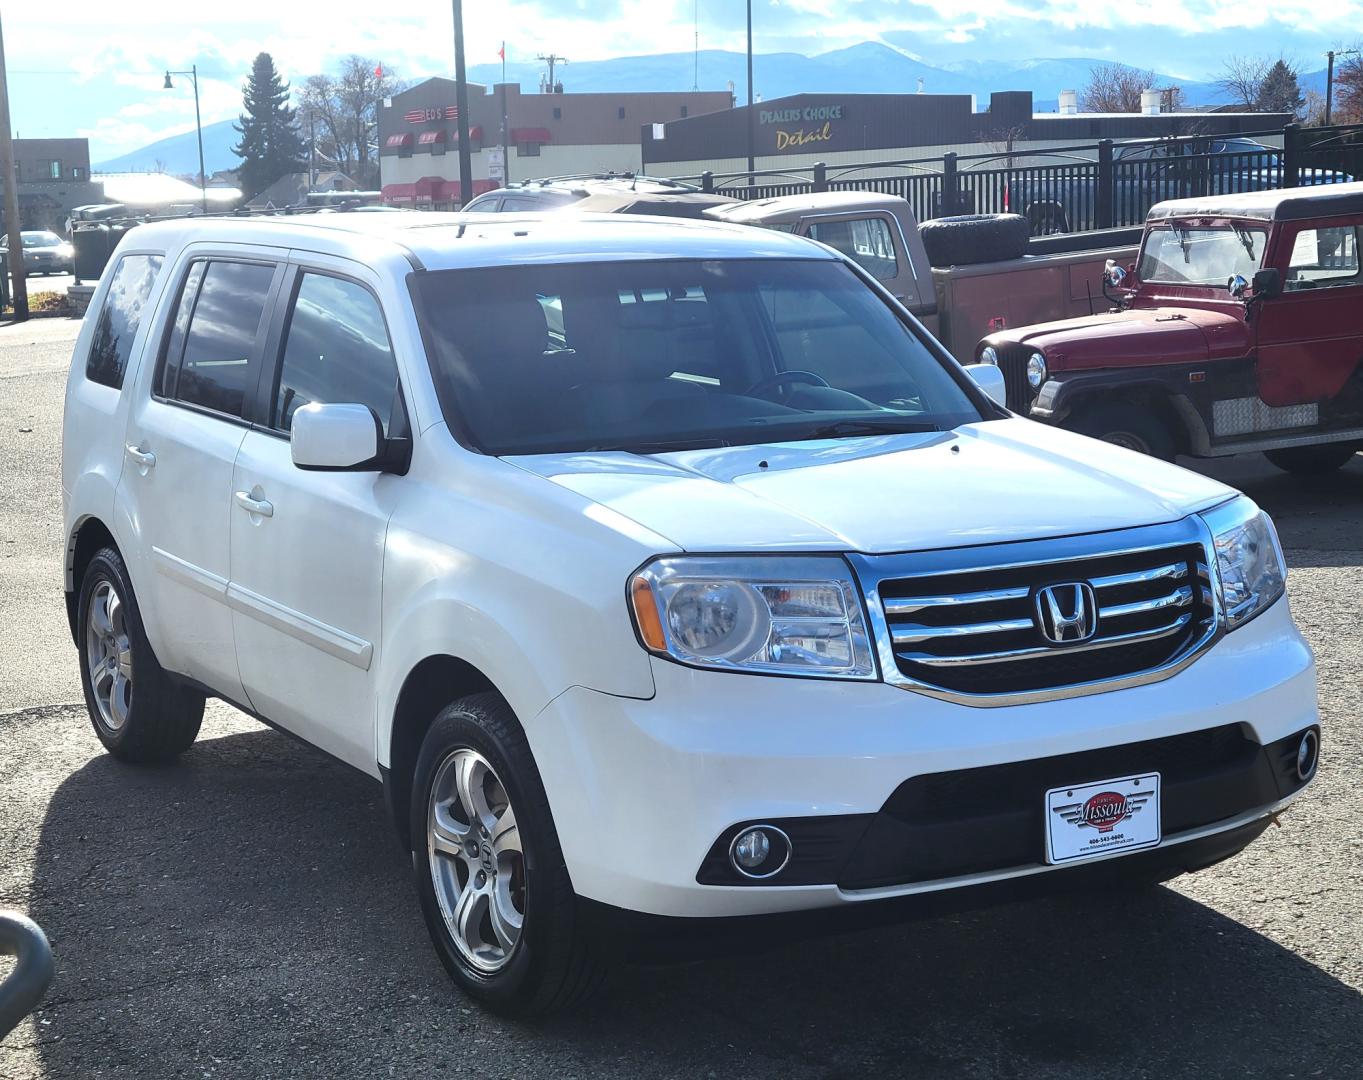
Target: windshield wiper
x: 658, y: 446
x: 841, y: 429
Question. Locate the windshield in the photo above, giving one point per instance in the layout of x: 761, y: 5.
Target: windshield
x: 1201, y: 256
x: 656, y: 356
x: 40, y: 239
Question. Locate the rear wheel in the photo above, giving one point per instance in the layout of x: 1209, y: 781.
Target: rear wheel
x: 494, y: 889
x: 138, y: 711
x: 1125, y: 424
x: 1313, y: 460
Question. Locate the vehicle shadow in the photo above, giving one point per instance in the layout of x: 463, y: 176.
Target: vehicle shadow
x: 245, y: 912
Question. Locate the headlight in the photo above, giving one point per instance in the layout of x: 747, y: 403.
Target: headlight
x: 1036, y: 370
x: 779, y: 615
x: 1249, y: 561
x: 989, y: 355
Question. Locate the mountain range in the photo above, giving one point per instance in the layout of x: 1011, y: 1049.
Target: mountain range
x: 868, y: 68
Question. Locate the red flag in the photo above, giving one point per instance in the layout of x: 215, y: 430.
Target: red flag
x: 502, y: 51
x: 378, y: 72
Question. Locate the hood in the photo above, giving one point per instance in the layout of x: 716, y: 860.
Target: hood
x: 979, y: 484
x: 1162, y: 335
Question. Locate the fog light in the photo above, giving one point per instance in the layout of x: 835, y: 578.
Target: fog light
x: 1308, y: 755
x: 760, y: 851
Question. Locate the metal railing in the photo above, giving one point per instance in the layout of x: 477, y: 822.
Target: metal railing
x: 1081, y: 187
x: 23, y: 939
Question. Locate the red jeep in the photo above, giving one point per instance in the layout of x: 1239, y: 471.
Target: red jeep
x: 1239, y: 328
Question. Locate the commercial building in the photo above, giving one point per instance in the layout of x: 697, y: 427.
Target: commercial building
x: 53, y: 177
x: 546, y: 134
x: 848, y: 129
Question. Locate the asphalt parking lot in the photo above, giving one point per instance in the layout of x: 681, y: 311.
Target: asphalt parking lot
x: 245, y: 913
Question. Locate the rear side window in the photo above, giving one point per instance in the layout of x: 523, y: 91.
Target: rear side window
x: 120, y: 317
x: 866, y: 241
x: 336, y: 351
x: 215, y: 351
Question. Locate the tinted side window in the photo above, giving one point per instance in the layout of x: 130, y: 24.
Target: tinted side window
x: 867, y: 241
x: 221, y: 359
x: 118, y: 321
x: 337, y: 350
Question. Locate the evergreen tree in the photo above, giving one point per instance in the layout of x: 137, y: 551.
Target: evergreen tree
x: 271, y: 145
x: 1279, y: 91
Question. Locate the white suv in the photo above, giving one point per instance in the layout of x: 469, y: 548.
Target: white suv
x: 663, y: 573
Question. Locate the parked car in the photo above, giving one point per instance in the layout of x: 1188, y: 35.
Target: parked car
x: 610, y: 193
x: 1237, y: 330
x: 721, y: 602
x: 44, y: 252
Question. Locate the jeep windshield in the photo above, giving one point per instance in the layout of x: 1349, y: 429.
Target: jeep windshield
x: 1183, y: 255
x: 652, y: 356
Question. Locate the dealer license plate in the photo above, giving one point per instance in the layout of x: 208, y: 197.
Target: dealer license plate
x: 1098, y: 819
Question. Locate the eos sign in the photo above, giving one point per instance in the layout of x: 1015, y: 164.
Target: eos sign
x: 815, y: 124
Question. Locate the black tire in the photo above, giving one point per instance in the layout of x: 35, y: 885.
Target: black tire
x: 1314, y: 460
x: 161, y: 717
x: 1124, y: 424
x: 975, y: 238
x: 554, y: 964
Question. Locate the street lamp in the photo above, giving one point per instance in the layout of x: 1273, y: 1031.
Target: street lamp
x: 751, y: 139
x: 1330, y: 77
x: 193, y: 73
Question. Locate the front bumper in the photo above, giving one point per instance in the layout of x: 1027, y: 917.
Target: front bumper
x: 641, y: 791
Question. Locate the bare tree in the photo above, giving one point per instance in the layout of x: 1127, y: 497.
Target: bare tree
x: 1242, y: 79
x: 1116, y: 88
x: 340, y: 112
x: 1347, y: 107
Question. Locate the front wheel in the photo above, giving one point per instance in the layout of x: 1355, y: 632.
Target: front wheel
x: 1128, y: 425
x: 1313, y: 460
x: 494, y: 889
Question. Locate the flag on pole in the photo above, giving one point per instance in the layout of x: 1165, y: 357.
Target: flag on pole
x: 502, y: 52
x: 378, y: 72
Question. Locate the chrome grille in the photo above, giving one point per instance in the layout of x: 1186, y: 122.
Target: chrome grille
x: 967, y: 623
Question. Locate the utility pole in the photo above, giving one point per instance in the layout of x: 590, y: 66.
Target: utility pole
x: 11, y: 177
x: 695, y: 52
x: 751, y: 134
x: 461, y: 97
x: 1330, y: 78
x: 552, y: 59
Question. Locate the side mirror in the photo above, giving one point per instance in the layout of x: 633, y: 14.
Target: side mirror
x: 1268, y: 283
x: 1115, y: 274
x: 337, y: 438
x: 989, y: 378
x: 1237, y: 286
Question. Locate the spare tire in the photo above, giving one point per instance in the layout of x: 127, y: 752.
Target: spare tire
x: 975, y: 238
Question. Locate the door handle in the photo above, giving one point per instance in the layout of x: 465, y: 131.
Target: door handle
x: 253, y: 506
x: 144, y: 459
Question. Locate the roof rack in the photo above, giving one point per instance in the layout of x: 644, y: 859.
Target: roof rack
x: 569, y: 178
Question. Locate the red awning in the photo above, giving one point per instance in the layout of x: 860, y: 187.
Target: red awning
x: 431, y: 189
x: 531, y: 135
x: 427, y: 138
x: 398, y: 142
x: 397, y: 193
x: 475, y: 134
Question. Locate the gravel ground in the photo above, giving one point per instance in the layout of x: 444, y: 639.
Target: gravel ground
x: 245, y: 912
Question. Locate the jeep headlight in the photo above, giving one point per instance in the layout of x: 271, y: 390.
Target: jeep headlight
x: 1036, y: 370
x: 1249, y: 561
x: 778, y: 615
x: 989, y: 355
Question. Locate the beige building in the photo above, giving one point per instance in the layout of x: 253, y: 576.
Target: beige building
x: 549, y: 134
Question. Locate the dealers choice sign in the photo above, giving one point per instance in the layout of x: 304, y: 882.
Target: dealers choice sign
x: 795, y: 128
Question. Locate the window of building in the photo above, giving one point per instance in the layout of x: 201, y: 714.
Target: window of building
x: 528, y: 149
x: 119, y: 319
x: 223, y: 321
x: 54, y: 170
x: 620, y: 112
x: 1322, y: 258
x: 685, y: 110
x: 867, y: 241
x: 336, y: 351
x: 558, y: 113
x: 77, y: 172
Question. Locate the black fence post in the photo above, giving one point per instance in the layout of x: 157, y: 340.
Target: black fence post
x: 951, y: 184
x: 1292, y: 147
x: 820, y: 176
x: 1104, y: 195
x: 707, y: 181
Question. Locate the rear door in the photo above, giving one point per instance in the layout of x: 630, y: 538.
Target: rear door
x: 1311, y: 337
x: 307, y: 574
x: 190, y: 415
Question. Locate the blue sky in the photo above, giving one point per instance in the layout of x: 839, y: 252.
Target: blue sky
x: 95, y: 68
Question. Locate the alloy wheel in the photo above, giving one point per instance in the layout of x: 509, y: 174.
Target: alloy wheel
x: 109, y: 656
x: 476, y: 860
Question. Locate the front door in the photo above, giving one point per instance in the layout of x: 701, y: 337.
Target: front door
x: 1311, y: 337
x: 308, y: 547
x: 184, y: 431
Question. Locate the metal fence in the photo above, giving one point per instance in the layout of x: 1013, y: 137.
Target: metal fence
x: 1083, y: 187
